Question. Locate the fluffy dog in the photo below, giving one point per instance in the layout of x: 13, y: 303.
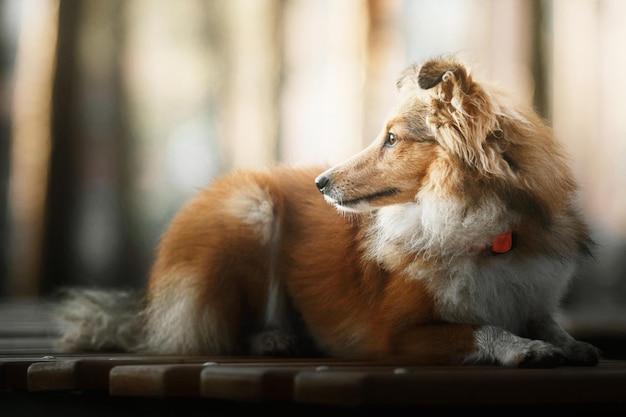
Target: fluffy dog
x: 451, y: 239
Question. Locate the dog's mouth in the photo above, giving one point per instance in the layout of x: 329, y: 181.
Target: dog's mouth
x: 351, y: 203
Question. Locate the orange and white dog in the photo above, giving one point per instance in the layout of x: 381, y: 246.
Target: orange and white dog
x: 450, y: 240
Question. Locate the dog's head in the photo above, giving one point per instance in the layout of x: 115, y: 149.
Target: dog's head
x: 452, y: 137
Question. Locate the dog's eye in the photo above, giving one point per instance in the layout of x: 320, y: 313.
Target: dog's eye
x: 391, y: 139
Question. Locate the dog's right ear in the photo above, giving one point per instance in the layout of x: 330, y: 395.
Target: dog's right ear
x: 408, y: 79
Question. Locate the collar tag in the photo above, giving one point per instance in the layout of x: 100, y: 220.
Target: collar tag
x: 502, y: 243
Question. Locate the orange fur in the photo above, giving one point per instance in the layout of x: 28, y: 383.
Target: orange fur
x: 395, y: 266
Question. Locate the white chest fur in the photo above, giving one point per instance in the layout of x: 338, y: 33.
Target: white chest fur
x: 468, y: 286
x: 505, y: 291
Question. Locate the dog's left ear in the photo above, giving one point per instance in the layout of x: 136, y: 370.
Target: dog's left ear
x: 432, y: 73
x: 463, y: 114
x: 451, y: 83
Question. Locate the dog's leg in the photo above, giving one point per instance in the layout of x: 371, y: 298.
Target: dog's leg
x: 493, y: 344
x: 273, y: 342
x: 448, y: 343
x: 575, y: 352
x: 276, y: 338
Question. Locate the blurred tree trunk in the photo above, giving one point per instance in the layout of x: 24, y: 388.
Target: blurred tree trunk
x: 64, y: 179
x: 5, y: 138
x: 252, y: 50
x: 30, y: 143
x: 86, y: 234
x: 386, y: 56
x: 541, y: 56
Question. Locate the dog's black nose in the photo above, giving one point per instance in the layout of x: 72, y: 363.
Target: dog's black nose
x: 322, y: 182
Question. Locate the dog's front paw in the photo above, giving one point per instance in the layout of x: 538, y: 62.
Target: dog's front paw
x: 539, y: 354
x: 579, y: 353
x: 496, y: 345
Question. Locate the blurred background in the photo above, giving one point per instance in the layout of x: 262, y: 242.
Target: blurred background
x: 113, y: 113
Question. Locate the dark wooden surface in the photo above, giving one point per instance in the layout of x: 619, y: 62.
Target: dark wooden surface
x: 36, y: 380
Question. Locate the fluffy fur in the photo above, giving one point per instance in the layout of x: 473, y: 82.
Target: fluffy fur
x: 391, y: 261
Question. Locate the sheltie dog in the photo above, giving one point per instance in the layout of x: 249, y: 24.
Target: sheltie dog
x: 451, y: 239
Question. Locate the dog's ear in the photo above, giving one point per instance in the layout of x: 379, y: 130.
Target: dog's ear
x: 463, y: 114
x: 430, y: 74
x: 408, y: 79
x: 456, y: 98
x: 436, y: 71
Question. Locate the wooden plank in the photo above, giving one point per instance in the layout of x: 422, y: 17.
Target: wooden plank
x: 52, y: 376
x: 90, y: 373
x: 155, y: 380
x: 13, y: 371
x: 269, y: 381
x: 184, y: 380
x: 249, y: 383
x: 462, y: 386
x: 316, y: 380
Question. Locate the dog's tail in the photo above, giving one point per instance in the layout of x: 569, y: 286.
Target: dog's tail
x: 99, y: 320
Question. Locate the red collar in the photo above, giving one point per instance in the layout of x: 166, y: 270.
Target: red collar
x: 501, y: 244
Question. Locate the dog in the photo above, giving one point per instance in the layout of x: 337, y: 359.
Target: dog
x: 451, y: 239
